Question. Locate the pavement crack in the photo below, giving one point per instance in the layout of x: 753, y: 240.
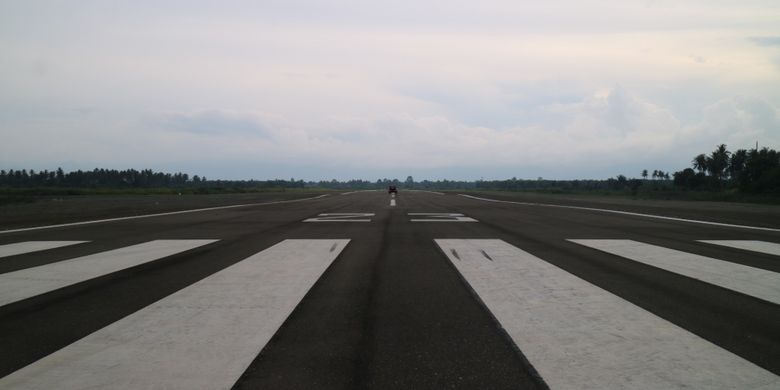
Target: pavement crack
x: 486, y: 255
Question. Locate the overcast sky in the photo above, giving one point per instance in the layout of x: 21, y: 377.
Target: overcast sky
x: 373, y: 89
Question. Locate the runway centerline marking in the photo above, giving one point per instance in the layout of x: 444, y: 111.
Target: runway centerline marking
x: 430, y: 192
x: 770, y: 248
x: 341, y: 217
x: 440, y: 217
x: 33, y: 246
x: 392, y: 202
x: 751, y: 281
x: 358, y: 191
x: 201, y: 337
x: 30, y: 282
x: 579, y: 336
x: 624, y: 213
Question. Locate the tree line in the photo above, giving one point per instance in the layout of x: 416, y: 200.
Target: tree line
x: 129, y: 178
x: 513, y: 184
x: 749, y: 171
x: 147, y: 178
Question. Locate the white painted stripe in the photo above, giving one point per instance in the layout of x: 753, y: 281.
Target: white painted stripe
x: 201, y: 337
x: 755, y: 282
x: 33, y: 246
x: 430, y: 192
x: 341, y: 217
x: 26, y: 283
x: 770, y: 248
x: 626, y: 213
x: 579, y: 336
x: 358, y: 191
x: 156, y: 215
x: 441, y: 217
x: 392, y: 202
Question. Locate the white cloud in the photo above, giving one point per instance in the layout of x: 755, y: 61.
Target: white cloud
x: 613, y: 123
x: 429, y: 85
x: 216, y: 122
x: 741, y: 122
x: 609, y: 131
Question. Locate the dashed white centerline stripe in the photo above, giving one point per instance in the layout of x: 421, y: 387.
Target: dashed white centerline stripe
x: 770, y: 248
x: 392, y: 202
x: 29, y: 282
x: 201, y: 337
x: 341, y: 217
x: 358, y: 191
x: 33, y: 246
x: 156, y: 215
x: 755, y: 282
x: 430, y: 192
x: 441, y: 217
x: 625, y: 213
x: 579, y: 336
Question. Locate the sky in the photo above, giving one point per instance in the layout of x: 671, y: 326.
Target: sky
x: 343, y: 89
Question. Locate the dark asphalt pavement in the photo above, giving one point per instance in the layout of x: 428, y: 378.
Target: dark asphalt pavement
x: 391, y: 311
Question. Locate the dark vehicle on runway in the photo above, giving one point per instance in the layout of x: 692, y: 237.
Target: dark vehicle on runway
x: 392, y: 190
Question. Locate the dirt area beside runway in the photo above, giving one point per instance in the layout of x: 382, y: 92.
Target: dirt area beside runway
x: 724, y: 212
x: 50, y: 210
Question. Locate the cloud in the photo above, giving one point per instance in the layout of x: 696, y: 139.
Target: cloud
x: 575, y: 88
x: 609, y: 131
x: 740, y: 122
x: 216, y: 122
x: 604, y: 128
x: 766, y: 41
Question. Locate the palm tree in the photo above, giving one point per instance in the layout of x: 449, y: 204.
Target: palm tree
x: 737, y: 163
x: 700, y: 162
x: 718, y: 162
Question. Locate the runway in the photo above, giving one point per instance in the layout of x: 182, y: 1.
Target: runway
x: 422, y: 290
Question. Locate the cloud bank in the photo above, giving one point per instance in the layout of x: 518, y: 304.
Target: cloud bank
x: 431, y: 89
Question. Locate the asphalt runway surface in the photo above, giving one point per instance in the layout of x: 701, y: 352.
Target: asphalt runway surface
x: 438, y: 291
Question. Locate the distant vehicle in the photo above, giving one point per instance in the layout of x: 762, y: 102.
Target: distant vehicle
x: 392, y: 190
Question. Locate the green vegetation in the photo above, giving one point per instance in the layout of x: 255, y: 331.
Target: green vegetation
x: 128, y: 179
x: 744, y: 175
x: 23, y: 186
x: 750, y: 172
x: 741, y: 176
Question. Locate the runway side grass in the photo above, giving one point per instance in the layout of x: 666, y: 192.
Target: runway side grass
x: 764, y: 215
x: 69, y: 205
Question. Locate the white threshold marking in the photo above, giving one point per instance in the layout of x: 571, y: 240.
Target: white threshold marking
x: 156, y: 215
x: 33, y: 246
x: 30, y: 282
x: 341, y: 217
x: 430, y: 192
x: 579, y: 336
x: 752, y: 281
x: 770, y: 248
x: 358, y: 191
x: 626, y: 213
x: 441, y: 217
x: 201, y: 337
